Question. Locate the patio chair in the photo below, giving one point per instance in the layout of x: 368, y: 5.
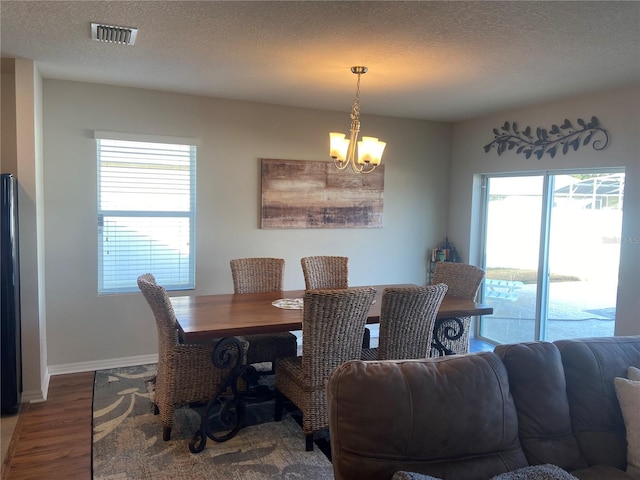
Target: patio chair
x: 186, y: 373
x: 407, y: 318
x: 255, y: 275
x: 451, y: 335
x: 332, y: 329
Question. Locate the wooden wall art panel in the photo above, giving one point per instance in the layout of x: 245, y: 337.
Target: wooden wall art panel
x: 310, y: 194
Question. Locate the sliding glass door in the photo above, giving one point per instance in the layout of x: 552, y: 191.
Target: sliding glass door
x: 551, y: 254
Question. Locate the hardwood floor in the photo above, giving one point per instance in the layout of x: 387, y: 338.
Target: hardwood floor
x: 52, y: 439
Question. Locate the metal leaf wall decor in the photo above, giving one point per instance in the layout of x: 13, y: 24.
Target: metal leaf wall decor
x: 557, y: 138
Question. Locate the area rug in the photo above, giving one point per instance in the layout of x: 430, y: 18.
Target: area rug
x: 128, y: 445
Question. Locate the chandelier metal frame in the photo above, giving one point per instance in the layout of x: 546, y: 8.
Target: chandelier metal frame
x: 343, y: 151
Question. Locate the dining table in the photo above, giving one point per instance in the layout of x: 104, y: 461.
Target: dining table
x: 202, y: 318
x: 224, y: 318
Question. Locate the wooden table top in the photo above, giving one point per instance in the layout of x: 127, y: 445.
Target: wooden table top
x: 204, y: 317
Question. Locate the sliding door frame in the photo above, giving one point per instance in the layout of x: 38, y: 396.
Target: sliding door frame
x: 543, y: 273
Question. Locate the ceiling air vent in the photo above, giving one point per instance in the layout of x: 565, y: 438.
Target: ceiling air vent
x: 113, y: 34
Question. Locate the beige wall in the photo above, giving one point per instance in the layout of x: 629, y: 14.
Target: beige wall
x: 619, y: 113
x: 84, y: 327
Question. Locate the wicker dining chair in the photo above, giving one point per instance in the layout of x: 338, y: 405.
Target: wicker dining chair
x: 407, y: 318
x: 324, y: 271
x: 186, y: 373
x: 451, y: 335
x: 332, y: 327
x: 255, y: 275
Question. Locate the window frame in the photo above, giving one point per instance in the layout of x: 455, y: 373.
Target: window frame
x: 543, y: 294
x: 189, y: 214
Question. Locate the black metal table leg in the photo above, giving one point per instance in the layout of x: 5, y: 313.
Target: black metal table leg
x: 440, y: 330
x: 224, y: 414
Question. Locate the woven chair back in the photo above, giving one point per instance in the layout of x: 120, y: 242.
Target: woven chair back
x: 322, y: 272
x: 256, y: 275
x: 332, y: 328
x: 462, y: 279
x: 162, y: 309
x: 407, y: 317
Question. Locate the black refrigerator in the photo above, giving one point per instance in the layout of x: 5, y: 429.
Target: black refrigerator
x: 10, y: 337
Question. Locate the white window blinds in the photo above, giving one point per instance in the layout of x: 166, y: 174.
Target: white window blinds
x: 146, y: 214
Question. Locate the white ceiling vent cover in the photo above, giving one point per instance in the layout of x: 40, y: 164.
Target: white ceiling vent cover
x: 113, y: 34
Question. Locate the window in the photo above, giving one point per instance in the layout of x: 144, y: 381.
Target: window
x: 146, y: 212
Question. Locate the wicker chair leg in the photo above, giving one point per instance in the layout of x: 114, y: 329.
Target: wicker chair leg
x: 166, y: 418
x: 308, y: 439
x: 277, y: 415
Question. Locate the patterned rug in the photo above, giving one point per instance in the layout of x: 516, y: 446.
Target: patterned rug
x: 128, y: 445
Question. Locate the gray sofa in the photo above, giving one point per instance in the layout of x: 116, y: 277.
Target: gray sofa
x: 477, y: 416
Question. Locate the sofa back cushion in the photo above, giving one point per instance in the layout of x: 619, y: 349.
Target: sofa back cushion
x: 590, y: 365
x: 450, y: 417
x: 537, y: 382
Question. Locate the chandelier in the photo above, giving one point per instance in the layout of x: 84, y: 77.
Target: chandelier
x: 343, y: 150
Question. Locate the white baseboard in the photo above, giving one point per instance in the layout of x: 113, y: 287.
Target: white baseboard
x: 37, y: 396
x: 102, y: 364
x: 33, y: 396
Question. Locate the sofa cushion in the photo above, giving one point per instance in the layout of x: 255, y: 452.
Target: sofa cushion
x: 537, y: 383
x: 628, y: 392
x: 449, y: 417
x: 590, y: 365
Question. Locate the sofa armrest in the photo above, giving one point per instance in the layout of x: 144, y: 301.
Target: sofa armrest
x: 590, y: 365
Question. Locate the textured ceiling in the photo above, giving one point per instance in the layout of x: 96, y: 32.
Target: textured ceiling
x: 428, y: 60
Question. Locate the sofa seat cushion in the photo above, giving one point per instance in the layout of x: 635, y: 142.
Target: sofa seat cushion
x: 449, y: 417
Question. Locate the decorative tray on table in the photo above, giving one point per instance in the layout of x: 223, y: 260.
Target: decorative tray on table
x: 288, y: 303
